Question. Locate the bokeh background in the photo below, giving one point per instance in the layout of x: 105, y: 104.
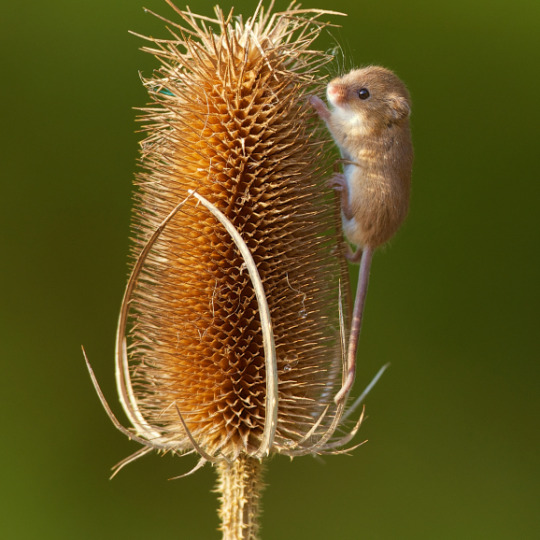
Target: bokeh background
x: 453, y: 426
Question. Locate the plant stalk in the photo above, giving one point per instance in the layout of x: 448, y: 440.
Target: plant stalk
x: 240, y: 486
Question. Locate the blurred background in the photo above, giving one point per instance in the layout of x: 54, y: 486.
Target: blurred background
x: 453, y: 304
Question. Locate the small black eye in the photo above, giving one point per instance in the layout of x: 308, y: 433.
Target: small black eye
x: 363, y: 93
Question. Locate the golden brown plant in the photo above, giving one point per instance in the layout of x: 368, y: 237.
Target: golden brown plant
x: 233, y: 309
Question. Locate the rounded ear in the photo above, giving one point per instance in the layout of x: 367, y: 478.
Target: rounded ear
x: 400, y: 106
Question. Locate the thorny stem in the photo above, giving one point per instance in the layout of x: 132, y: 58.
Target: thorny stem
x: 240, y: 487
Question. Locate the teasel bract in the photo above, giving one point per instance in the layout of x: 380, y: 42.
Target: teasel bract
x: 230, y: 339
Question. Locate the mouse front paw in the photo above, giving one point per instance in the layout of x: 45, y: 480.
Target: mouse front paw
x: 318, y: 104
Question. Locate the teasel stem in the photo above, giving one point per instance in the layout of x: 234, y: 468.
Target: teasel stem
x: 240, y: 486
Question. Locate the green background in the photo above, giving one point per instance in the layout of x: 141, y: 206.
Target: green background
x: 453, y: 304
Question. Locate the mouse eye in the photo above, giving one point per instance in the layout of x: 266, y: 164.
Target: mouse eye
x: 363, y: 93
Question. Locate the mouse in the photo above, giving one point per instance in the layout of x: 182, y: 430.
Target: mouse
x: 368, y: 119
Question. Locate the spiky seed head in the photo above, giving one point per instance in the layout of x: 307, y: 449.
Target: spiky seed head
x: 228, y: 119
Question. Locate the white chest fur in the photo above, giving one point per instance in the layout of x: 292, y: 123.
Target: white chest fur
x: 352, y: 122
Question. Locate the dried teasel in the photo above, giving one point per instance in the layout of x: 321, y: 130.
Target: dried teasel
x: 231, y: 336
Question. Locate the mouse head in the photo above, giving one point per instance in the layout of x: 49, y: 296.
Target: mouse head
x: 373, y: 93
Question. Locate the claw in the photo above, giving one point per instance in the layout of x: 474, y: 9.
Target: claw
x: 354, y: 256
x: 320, y: 107
x: 338, y: 182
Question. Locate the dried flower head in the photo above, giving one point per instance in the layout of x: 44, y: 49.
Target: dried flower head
x: 233, y: 311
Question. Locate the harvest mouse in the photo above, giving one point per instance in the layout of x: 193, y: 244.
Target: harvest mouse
x: 369, y: 121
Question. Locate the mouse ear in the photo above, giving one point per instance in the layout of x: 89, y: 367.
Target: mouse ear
x: 400, y: 106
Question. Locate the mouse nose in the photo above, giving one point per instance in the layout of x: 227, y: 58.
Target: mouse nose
x: 335, y: 93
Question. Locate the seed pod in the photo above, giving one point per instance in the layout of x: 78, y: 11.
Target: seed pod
x: 228, y: 124
x: 230, y: 341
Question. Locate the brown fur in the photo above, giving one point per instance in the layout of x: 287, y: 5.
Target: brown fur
x: 375, y: 140
x: 374, y: 134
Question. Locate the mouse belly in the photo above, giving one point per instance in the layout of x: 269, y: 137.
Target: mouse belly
x: 352, y: 231
x: 352, y: 200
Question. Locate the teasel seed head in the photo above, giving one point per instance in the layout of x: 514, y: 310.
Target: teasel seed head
x: 231, y: 337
